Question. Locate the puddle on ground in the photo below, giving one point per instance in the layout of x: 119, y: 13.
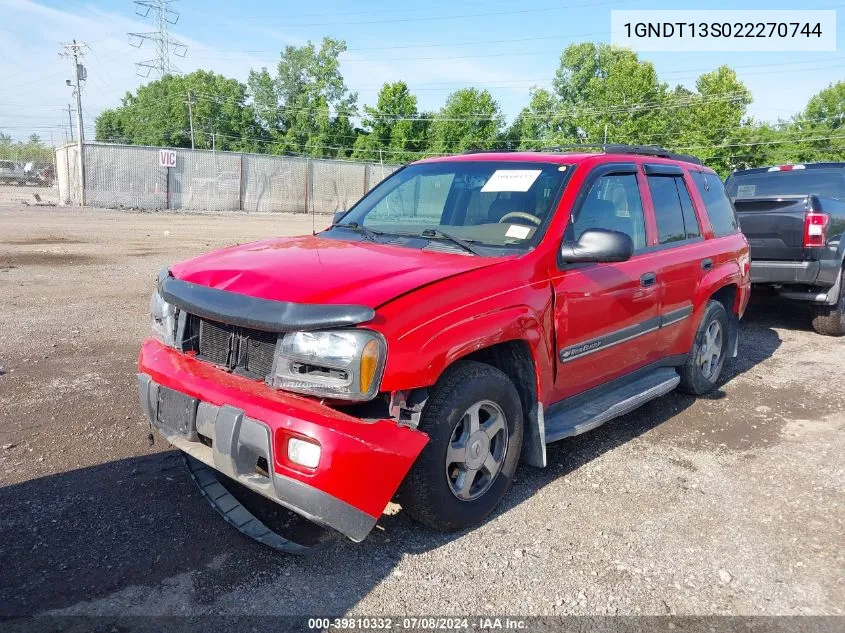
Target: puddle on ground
x: 740, y: 418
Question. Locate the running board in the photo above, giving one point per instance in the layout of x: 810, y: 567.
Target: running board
x: 580, y: 414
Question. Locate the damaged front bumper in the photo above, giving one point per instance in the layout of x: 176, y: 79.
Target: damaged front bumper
x: 240, y: 427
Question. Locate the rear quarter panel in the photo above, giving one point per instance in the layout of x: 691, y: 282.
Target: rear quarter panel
x: 728, y: 254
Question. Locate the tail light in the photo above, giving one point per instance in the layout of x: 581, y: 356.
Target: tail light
x: 786, y: 167
x: 815, y: 229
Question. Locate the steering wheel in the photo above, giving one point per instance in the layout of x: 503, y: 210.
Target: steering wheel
x: 522, y: 215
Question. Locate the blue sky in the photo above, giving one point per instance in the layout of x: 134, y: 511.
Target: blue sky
x: 437, y: 47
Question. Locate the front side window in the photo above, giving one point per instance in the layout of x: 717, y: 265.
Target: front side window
x: 488, y: 203
x: 613, y: 203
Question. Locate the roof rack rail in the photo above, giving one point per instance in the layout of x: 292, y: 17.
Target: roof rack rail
x: 642, y: 150
x: 487, y: 151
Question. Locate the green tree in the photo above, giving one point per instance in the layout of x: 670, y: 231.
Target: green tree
x: 606, y: 92
x: 306, y: 107
x: 158, y: 114
x: 394, y: 129
x: 470, y: 119
x: 823, y: 118
x: 713, y: 121
x: 539, y: 124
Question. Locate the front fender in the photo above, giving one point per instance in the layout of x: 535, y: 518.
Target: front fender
x: 462, y: 338
x: 418, y: 358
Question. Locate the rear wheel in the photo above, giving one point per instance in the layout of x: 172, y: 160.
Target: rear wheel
x: 830, y: 320
x: 474, y: 422
x: 707, y: 357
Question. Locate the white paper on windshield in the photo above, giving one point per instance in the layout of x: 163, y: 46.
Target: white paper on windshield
x: 511, y: 180
x: 746, y: 191
x: 518, y: 231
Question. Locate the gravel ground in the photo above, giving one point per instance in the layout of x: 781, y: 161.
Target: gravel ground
x: 14, y: 195
x: 730, y: 504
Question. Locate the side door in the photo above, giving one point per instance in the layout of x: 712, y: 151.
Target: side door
x: 606, y: 314
x: 682, y: 252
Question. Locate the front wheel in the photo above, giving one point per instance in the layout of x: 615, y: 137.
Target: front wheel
x: 474, y: 422
x: 709, y: 349
x: 830, y: 320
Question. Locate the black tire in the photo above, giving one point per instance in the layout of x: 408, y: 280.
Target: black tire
x: 697, y: 378
x: 427, y: 492
x: 830, y: 320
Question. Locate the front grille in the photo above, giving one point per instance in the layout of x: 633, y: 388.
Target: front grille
x: 215, y: 342
x: 240, y: 350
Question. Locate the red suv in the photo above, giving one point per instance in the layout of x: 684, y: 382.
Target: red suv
x: 462, y: 315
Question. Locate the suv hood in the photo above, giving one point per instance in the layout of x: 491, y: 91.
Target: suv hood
x: 312, y: 269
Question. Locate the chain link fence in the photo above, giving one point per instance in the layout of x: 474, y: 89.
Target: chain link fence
x: 128, y: 176
x: 27, y: 174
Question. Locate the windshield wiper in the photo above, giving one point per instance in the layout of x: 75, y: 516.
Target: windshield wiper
x: 452, y: 238
x: 359, y: 228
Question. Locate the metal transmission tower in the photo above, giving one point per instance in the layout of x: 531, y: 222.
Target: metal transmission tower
x: 166, y: 45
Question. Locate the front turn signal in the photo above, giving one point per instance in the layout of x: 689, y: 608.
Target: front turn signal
x: 369, y: 366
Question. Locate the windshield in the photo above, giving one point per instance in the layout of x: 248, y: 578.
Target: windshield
x: 496, y: 204
x: 825, y: 182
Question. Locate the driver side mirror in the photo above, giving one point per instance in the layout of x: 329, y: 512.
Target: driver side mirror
x: 598, y: 245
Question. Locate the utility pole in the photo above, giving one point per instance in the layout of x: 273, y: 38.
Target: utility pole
x: 165, y: 44
x: 70, y: 122
x: 74, y: 51
x: 190, y: 103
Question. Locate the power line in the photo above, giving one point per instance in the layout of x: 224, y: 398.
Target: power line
x: 632, y: 108
x: 549, y: 140
x: 428, y: 6
x: 165, y: 44
x: 533, y: 10
x: 776, y: 142
x: 347, y: 148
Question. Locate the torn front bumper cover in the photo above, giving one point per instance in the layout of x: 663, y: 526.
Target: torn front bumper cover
x: 362, y: 463
x: 237, y: 442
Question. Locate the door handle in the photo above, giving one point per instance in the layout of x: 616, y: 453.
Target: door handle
x: 648, y: 279
x: 706, y: 264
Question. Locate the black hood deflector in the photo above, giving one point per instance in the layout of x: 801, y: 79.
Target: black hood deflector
x: 255, y: 313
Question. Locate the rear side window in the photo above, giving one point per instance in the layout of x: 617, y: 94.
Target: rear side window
x: 690, y: 218
x: 673, y: 209
x: 716, y: 201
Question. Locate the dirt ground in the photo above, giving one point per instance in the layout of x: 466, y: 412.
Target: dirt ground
x: 22, y: 195
x: 729, y: 504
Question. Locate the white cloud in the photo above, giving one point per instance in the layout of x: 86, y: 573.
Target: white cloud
x: 33, y: 74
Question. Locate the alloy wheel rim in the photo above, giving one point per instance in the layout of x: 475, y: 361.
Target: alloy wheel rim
x: 710, y: 352
x: 476, y: 451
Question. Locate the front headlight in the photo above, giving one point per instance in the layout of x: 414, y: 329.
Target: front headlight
x: 164, y: 319
x: 342, y: 364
